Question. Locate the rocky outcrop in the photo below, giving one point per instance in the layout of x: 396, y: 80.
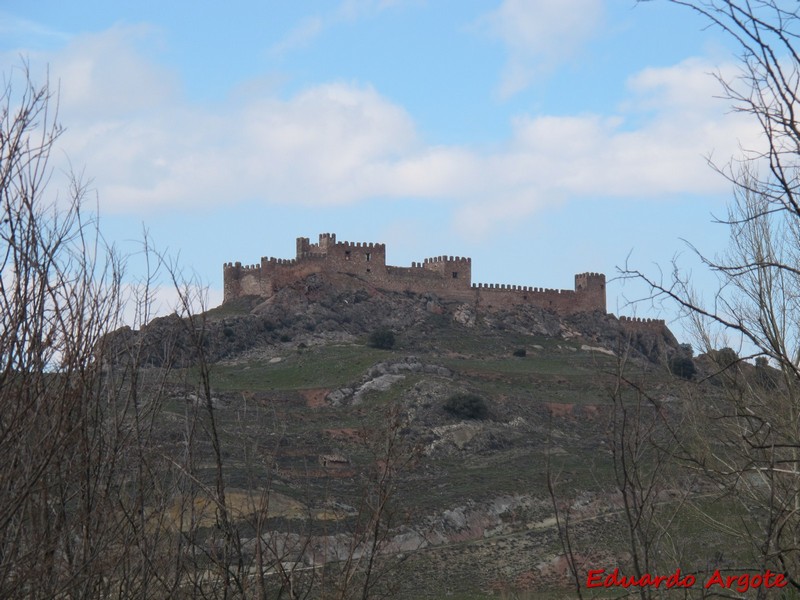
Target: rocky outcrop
x: 381, y: 377
x: 319, y: 309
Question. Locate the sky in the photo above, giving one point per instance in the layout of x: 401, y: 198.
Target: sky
x: 542, y: 138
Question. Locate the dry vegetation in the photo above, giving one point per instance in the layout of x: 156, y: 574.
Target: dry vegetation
x: 243, y: 454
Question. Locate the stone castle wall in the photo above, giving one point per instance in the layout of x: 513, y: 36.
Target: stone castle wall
x: 589, y: 295
x: 448, y: 276
x: 637, y: 324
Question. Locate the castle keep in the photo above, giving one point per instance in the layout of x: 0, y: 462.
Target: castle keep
x: 450, y: 277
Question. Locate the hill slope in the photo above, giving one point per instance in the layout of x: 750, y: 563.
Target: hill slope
x: 312, y: 417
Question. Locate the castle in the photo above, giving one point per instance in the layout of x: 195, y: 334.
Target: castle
x: 450, y: 277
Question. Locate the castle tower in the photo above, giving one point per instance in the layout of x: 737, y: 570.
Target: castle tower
x: 303, y: 246
x: 232, y: 281
x: 456, y: 270
x: 326, y: 241
x: 591, y: 289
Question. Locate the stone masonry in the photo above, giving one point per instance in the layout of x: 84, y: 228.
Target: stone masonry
x: 450, y: 277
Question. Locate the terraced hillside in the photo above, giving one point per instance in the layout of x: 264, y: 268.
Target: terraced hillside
x: 460, y: 460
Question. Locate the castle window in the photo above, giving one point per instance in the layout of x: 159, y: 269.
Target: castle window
x: 369, y: 270
x: 368, y: 255
x: 455, y: 274
x: 347, y: 254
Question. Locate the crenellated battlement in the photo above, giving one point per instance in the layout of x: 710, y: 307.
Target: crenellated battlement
x: 446, y: 259
x: 366, y: 245
x: 519, y: 288
x: 241, y: 267
x: 637, y: 324
x: 279, y: 261
x: 448, y: 276
x: 641, y: 321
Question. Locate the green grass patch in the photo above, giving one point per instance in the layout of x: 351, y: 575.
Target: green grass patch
x: 481, y: 342
x: 329, y: 366
x: 567, y: 364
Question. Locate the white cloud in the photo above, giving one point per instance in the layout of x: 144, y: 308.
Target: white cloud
x: 105, y: 74
x: 324, y: 146
x: 539, y: 35
x: 691, y: 86
x: 300, y: 36
x: 477, y: 219
x: 305, y: 32
x: 23, y: 30
x: 139, y: 305
x: 341, y: 143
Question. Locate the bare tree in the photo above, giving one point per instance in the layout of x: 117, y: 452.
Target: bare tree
x: 752, y: 451
x: 67, y: 431
x: 85, y: 486
x: 104, y: 493
x: 366, y: 571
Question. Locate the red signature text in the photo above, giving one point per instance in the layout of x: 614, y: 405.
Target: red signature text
x: 741, y: 583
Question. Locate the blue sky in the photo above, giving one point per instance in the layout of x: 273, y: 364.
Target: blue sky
x: 540, y: 137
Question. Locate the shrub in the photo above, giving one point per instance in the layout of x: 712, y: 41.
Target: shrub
x: 286, y: 338
x: 466, y: 406
x: 726, y: 357
x: 382, y: 338
x: 682, y: 366
x: 766, y: 376
x: 520, y: 352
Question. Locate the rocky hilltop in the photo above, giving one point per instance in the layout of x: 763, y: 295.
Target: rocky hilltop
x: 319, y: 310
